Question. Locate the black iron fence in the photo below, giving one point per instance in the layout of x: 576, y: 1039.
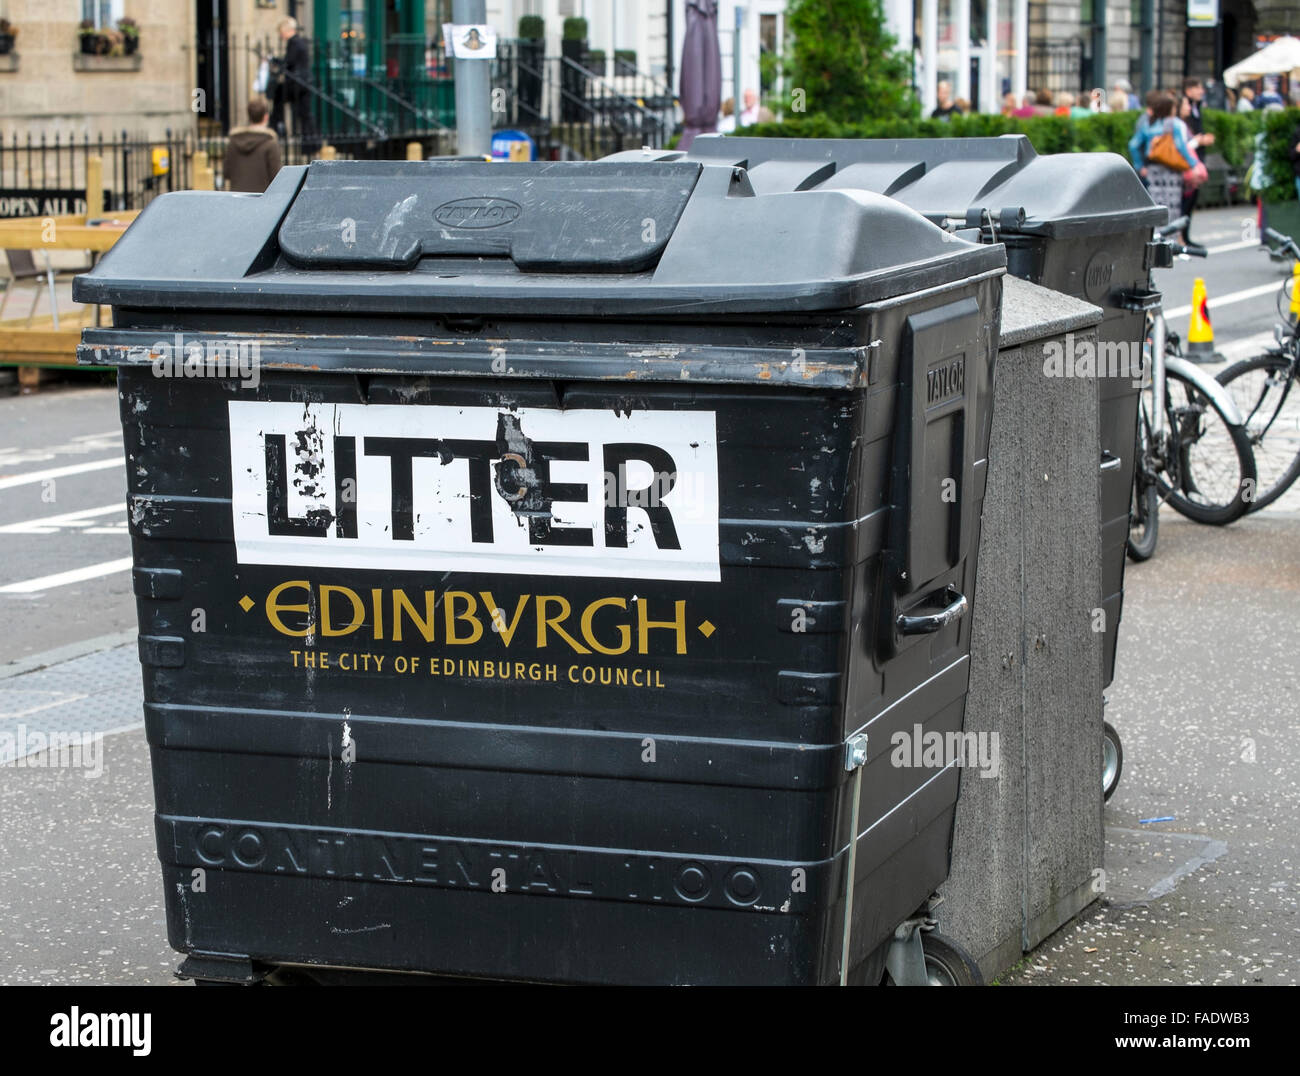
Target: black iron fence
x: 1058, y: 66
x: 46, y: 175
x: 576, y: 107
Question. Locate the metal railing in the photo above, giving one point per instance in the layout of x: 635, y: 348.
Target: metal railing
x: 572, y: 109
x: 1058, y: 66
x: 346, y: 97
x: 46, y: 175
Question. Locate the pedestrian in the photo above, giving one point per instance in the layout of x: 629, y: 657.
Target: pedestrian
x: 1064, y: 101
x: 1131, y: 102
x: 1026, y: 108
x: 1194, y: 95
x: 728, y: 122
x: 1043, y: 103
x: 943, y: 96
x: 962, y: 106
x: 1097, y: 101
x: 1160, y: 152
x: 1190, y: 113
x: 293, y: 88
x: 1118, y: 101
x: 1270, y: 100
x: 252, y: 152
x: 749, y: 112
x: 1009, y: 104
x: 1246, y: 100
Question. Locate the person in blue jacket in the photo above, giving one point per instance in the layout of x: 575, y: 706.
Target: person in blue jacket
x: 1165, y: 184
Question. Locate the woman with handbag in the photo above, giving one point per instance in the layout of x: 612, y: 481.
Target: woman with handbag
x: 1162, y: 154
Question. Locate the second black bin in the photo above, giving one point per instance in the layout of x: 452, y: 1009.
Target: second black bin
x: 1079, y: 223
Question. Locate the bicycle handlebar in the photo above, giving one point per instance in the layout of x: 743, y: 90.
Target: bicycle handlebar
x: 1172, y: 228
x: 1194, y: 249
x: 1283, y: 241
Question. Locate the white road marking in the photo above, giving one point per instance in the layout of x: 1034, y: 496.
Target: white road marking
x: 11, y: 481
x: 61, y: 698
x: 50, y: 524
x: 1226, y: 300
x: 86, y: 442
x: 1241, y: 244
x: 60, y: 579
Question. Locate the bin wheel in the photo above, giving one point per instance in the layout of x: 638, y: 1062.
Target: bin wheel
x: 947, y: 963
x: 1112, y: 760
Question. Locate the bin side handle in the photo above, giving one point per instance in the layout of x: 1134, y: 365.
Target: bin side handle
x: 932, y: 622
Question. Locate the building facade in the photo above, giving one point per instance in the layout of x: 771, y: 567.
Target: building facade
x: 986, y: 48
x: 195, y: 63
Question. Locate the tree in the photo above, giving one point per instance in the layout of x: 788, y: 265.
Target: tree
x: 846, y: 62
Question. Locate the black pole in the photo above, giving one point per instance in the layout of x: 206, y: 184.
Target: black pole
x: 669, y: 70
x: 1147, y: 32
x: 1160, y: 46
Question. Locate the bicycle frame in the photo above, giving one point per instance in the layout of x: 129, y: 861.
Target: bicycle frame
x: 1159, y: 334
x: 1202, y: 381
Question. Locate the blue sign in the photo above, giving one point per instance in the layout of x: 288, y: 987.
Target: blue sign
x: 513, y: 146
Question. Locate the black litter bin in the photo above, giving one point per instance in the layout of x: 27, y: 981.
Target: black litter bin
x: 520, y: 551
x: 1078, y: 223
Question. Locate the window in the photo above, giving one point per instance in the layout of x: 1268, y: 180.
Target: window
x: 103, y: 13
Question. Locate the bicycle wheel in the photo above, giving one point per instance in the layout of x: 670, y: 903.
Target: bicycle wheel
x: 1209, y: 473
x: 1266, y: 391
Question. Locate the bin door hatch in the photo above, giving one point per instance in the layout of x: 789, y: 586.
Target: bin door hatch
x: 933, y: 475
x: 545, y: 217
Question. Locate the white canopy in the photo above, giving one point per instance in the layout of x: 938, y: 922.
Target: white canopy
x: 1280, y: 57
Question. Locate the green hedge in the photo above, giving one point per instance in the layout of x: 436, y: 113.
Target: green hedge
x: 1278, y: 130
x: 1107, y: 131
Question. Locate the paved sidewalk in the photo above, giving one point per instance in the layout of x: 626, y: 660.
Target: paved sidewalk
x: 1206, y: 701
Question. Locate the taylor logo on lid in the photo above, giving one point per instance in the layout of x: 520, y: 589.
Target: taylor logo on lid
x: 476, y: 212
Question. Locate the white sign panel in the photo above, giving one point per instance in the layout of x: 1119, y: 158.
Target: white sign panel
x: 1202, y: 12
x: 470, y: 42
x: 528, y: 491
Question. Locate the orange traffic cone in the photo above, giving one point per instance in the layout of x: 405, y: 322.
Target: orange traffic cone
x: 1200, y: 333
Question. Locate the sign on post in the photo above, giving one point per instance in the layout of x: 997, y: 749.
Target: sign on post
x: 1202, y: 13
x: 470, y: 42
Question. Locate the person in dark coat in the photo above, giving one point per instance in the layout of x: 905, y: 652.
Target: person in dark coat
x: 1189, y: 111
x: 253, y: 152
x: 295, y: 77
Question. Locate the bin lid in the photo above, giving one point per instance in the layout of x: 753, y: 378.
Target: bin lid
x: 548, y: 238
x: 969, y: 179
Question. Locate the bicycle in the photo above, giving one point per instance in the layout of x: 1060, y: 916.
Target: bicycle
x: 1193, y: 450
x: 1264, y: 389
